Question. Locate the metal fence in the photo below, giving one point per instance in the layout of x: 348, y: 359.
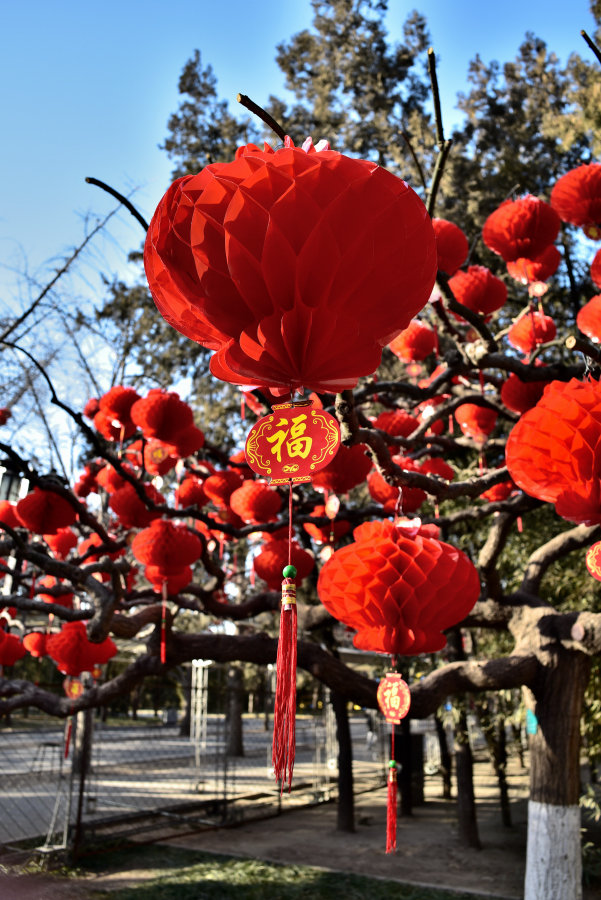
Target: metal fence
x: 59, y: 790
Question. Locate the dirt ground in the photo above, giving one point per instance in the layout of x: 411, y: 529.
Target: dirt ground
x: 428, y: 848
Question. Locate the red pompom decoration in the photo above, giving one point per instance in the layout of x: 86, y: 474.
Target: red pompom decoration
x: 274, y: 556
x: 554, y: 451
x: 451, y: 245
x: 167, y: 544
x: 589, y: 319
x: 479, y: 290
x: 415, y: 342
x: 521, y: 228
x: 296, y: 266
x: 162, y: 415
x: 11, y: 649
x: 44, y: 512
x: 398, y: 592
x: 73, y: 653
x: 577, y: 198
x: 518, y: 395
x: 349, y: 468
x: 476, y: 421
x: 530, y: 330
x: 255, y: 502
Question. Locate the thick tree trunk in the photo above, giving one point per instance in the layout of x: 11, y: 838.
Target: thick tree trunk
x: 235, y: 695
x: 346, y: 811
x: 466, y: 802
x: 554, y: 864
x: 446, y: 760
x: 499, y: 756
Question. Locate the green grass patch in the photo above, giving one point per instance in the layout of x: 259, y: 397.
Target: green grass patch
x: 194, y: 875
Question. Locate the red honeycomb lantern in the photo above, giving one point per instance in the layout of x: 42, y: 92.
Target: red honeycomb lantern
x: 476, y: 421
x: 589, y: 319
x: 521, y: 228
x: 322, y: 534
x: 35, y: 643
x: 554, y: 451
x: 162, y: 415
x: 415, y: 342
x: 399, y: 592
x: 479, y: 290
x: 396, y: 422
x: 116, y: 405
x: 73, y: 653
x: 44, y: 512
x: 274, y: 556
x: 220, y: 486
x: 11, y: 649
x: 530, y: 330
x: 191, y: 493
x: 451, y: 245
x: 388, y: 494
x: 255, y: 502
x: 290, y: 264
x: 131, y: 510
x: 348, y: 469
x: 539, y: 268
x: 170, y: 545
x: 576, y: 197
x: 8, y: 514
x: 171, y: 580
x: 61, y: 595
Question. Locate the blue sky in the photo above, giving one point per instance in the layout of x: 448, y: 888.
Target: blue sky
x: 87, y: 89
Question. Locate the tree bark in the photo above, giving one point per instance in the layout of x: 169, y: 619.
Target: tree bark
x: 345, y: 820
x: 466, y: 803
x: 446, y: 760
x: 554, y: 864
x: 235, y: 694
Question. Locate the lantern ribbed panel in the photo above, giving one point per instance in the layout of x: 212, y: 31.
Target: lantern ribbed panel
x: 530, y: 330
x: 554, y: 451
x: 296, y: 266
x: 274, y: 556
x: 478, y: 289
x: 73, y: 653
x: 451, y: 244
x: 349, y: 468
x: 255, y: 502
x: 589, y: 319
x: 518, y: 395
x: 521, y: 228
x: 398, y: 593
x: 475, y: 421
x: 415, y: 342
x: 162, y: 415
x: 166, y: 544
x: 576, y: 196
x: 540, y: 268
x: 44, y: 512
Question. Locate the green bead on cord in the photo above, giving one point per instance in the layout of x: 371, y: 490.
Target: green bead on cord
x: 289, y: 572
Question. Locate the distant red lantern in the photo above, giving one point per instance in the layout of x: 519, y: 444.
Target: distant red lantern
x: 111, y: 428
x: 576, y: 197
x: 169, y: 579
x: 398, y: 592
x: 274, y: 556
x: 415, y: 342
x: 478, y: 289
x: 35, y: 643
x: 521, y: 228
x: 109, y: 479
x: 116, y: 405
x: 530, y: 330
x: 191, y: 493
x: 451, y: 245
x: 589, y: 319
x: 396, y: 422
x: 220, y: 486
x: 554, y: 451
x: 437, y: 466
x: 8, y: 514
x: 168, y: 544
x: 268, y: 260
x: 255, y: 502
x: 44, y: 512
x: 73, y: 653
x: 518, y: 395
x: 61, y: 594
x: 596, y: 269
x: 162, y: 415
x: 499, y: 492
x: 348, y: 469
x: 11, y: 649
x: 388, y: 494
x: 322, y: 534
x: 538, y: 268
x: 476, y: 421
x: 186, y: 442
x: 131, y: 510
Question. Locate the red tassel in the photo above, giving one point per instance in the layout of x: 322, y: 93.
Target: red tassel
x: 164, y: 623
x: 391, y: 808
x: 284, y: 714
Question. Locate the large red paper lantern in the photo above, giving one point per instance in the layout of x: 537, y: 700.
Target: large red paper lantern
x: 415, y: 342
x: 530, y: 330
x: 589, y: 319
x: 399, y: 592
x: 73, y: 653
x: 554, y: 451
x: 348, y: 469
x: 44, y: 512
x: 521, y: 228
x: 255, y: 502
x: 476, y: 421
x: 577, y: 198
x: 296, y: 266
x: 478, y: 289
x: 452, y: 245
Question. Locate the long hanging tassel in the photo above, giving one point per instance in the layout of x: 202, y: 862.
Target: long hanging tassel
x: 284, y: 713
x: 164, y: 589
x: 391, y: 803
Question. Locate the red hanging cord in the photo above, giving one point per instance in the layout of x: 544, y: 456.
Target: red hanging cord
x: 164, y: 589
x: 391, y: 801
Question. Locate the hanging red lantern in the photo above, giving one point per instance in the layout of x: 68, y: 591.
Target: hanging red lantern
x: 323, y: 534
x: 190, y: 493
x: 44, y: 512
x: 475, y: 421
x: 534, y: 269
x: 130, y: 508
x: 8, y: 514
x: 530, y: 330
x: 35, y: 643
x: 162, y: 415
x: 61, y: 542
x: 589, y: 319
x: 73, y: 653
x: 518, y: 395
x: 554, y: 451
x: 499, y: 492
x: 168, y: 544
x: 112, y: 429
x: 109, y: 479
x: 158, y: 459
x: 116, y: 405
x: 86, y: 484
x: 293, y: 443
x: 274, y: 557
x: 269, y: 260
x: 172, y: 580
x: 220, y: 486
x: 576, y: 197
x: 522, y: 227
x: 91, y: 408
x: 415, y: 342
x: 437, y: 466
x: 11, y: 649
x: 348, y: 469
x: 478, y: 289
x: 94, y: 540
x: 255, y: 502
x: 388, y: 494
x: 61, y: 595
x: 398, y: 592
x: 596, y: 269
x: 186, y: 442
x: 452, y: 246
x: 396, y: 422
